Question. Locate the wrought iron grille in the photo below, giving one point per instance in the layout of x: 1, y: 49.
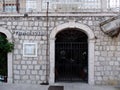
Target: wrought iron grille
x: 71, y: 51
x: 71, y: 61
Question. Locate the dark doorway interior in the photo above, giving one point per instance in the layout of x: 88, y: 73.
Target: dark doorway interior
x: 71, y: 56
x: 3, y: 60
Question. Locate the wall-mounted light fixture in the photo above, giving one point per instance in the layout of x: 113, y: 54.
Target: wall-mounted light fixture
x: 111, y: 26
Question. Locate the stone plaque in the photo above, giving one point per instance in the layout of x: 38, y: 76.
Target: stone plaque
x: 30, y: 49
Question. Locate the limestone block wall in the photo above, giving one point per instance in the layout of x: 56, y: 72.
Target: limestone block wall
x: 33, y: 69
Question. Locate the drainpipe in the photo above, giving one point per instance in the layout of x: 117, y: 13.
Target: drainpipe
x: 17, y: 6
x: 47, y: 54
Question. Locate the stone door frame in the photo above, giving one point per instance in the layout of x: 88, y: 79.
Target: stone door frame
x: 9, y: 56
x: 91, y: 40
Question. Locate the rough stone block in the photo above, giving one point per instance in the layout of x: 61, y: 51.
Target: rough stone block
x: 22, y: 72
x: 18, y: 27
x: 37, y: 77
x: 14, y: 66
x: 18, y: 57
x: 110, y: 53
x: 36, y: 23
x: 97, y: 53
x: 16, y: 77
x: 34, y: 62
x: 111, y: 62
x: 32, y: 77
x: 14, y: 23
x: 43, y: 67
x: 44, y: 37
x: 28, y: 62
x: 2, y: 23
x: 16, y: 72
x: 23, y: 62
x: 25, y: 23
x: 41, y: 23
x: 43, y: 77
x: 41, y: 72
x: 34, y: 72
x: 35, y: 28
x: 37, y: 67
x: 28, y: 72
x: 99, y: 78
x: 30, y: 67
x: 9, y: 23
x: 101, y: 58
x: 112, y: 48
x: 17, y: 62
x: 104, y: 53
x: 97, y: 73
x: 20, y: 23
x: 25, y: 77
x: 24, y: 67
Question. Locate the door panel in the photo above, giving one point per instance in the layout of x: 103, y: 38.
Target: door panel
x: 71, y: 62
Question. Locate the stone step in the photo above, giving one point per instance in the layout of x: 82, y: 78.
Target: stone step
x: 83, y: 86
x: 4, y: 86
x: 67, y: 86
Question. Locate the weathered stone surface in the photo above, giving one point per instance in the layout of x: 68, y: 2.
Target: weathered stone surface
x: 25, y: 77
x: 30, y: 67
x: 24, y: 67
x: 33, y: 69
x: 22, y: 72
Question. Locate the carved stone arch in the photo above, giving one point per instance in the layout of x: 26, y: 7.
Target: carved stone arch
x: 9, y: 56
x: 91, y: 37
x: 82, y: 27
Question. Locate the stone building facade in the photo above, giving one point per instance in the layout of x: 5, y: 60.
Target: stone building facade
x: 103, y: 51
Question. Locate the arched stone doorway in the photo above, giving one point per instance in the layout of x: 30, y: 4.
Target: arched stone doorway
x: 83, y: 28
x: 71, y: 56
x: 9, y: 55
x: 3, y: 59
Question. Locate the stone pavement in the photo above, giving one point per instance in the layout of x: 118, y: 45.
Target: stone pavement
x: 82, y: 86
x: 67, y: 86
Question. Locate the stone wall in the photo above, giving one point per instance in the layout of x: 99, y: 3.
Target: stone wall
x: 33, y: 69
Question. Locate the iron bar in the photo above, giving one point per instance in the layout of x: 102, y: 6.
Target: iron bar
x: 47, y: 51
x: 3, y: 5
x: 71, y: 60
x: 17, y: 6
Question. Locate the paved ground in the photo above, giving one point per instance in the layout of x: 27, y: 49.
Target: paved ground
x: 68, y: 86
x: 88, y: 87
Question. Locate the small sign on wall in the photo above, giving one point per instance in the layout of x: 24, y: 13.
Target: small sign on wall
x: 30, y: 49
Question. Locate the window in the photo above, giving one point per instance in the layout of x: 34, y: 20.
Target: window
x: 10, y: 8
x: 10, y: 5
x: 113, y: 3
x: 71, y: 4
x: 31, y: 5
